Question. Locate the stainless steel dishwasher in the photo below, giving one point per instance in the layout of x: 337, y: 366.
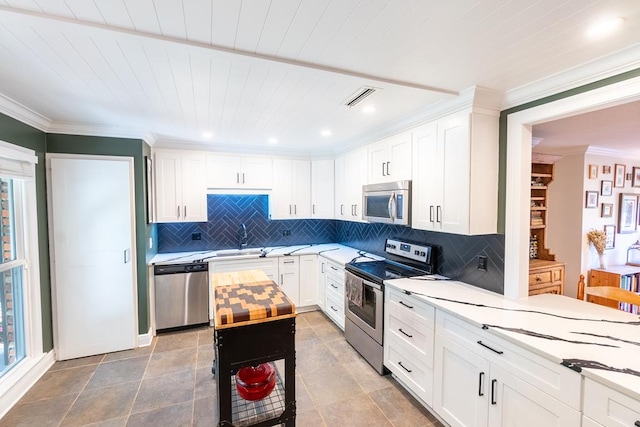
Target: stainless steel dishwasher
x: 181, y: 294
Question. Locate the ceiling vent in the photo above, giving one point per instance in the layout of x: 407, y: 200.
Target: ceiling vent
x: 359, y: 96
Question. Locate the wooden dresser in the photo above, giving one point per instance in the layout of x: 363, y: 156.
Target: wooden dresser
x: 546, y: 277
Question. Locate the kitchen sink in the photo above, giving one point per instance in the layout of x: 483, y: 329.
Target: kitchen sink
x: 237, y: 252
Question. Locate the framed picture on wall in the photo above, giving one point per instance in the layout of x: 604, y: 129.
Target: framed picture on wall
x: 618, y: 175
x: 610, y: 236
x: 593, y: 171
x: 606, y: 188
x: 635, y: 180
x: 628, y: 213
x: 606, y: 210
x: 591, y: 200
x: 606, y: 169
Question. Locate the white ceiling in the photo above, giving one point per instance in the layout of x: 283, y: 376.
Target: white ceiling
x: 169, y: 70
x: 615, y: 128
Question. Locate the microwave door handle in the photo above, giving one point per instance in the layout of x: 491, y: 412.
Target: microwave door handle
x: 391, y: 206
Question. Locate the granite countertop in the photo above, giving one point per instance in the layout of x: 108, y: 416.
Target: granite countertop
x: 333, y: 251
x: 602, y: 343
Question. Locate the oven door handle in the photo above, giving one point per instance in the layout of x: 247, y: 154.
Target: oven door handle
x: 372, y: 285
x: 391, y: 207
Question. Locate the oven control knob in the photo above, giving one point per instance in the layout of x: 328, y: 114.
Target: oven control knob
x: 422, y: 254
x: 417, y: 252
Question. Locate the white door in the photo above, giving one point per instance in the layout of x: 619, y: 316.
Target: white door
x: 92, y: 241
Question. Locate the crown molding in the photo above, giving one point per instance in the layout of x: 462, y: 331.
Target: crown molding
x: 23, y: 114
x: 95, y: 130
x: 601, y: 68
x: 608, y: 152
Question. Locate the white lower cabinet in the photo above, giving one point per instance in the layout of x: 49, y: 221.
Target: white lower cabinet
x: 308, y: 280
x: 322, y: 280
x: 588, y: 422
x: 482, y: 380
x: 334, y: 293
x: 609, y: 407
x: 408, y: 342
x: 289, y: 277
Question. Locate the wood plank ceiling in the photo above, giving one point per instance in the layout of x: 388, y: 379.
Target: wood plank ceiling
x: 251, y: 70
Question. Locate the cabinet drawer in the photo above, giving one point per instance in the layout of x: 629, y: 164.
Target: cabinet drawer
x: 336, y: 286
x: 552, y: 378
x: 416, y: 333
x: 334, y: 308
x: 410, y: 369
x: 545, y: 289
x: 609, y: 407
x: 418, y: 310
x: 540, y: 278
x: 336, y: 271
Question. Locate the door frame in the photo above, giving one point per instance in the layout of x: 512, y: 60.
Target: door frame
x: 518, y: 170
x: 130, y: 161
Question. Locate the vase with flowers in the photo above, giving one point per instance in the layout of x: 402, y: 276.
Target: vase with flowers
x: 598, y: 239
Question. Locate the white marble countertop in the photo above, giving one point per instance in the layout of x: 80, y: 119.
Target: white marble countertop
x: 603, y: 342
x: 335, y: 252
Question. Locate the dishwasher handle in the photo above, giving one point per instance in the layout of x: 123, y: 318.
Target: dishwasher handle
x: 161, y: 270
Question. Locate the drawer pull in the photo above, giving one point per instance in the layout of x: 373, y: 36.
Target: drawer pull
x: 493, y: 392
x: 402, y: 366
x: 480, y: 384
x: 492, y: 349
x: 333, y: 286
x: 637, y: 423
x: 406, y: 305
x: 410, y: 336
x: 538, y: 279
x: 333, y: 268
x: 334, y: 309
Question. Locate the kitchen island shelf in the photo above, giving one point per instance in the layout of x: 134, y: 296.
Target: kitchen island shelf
x: 253, y: 413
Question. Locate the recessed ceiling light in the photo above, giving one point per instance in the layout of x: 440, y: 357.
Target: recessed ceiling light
x: 325, y: 132
x: 207, y: 135
x: 369, y: 109
x: 272, y: 140
x: 604, y: 27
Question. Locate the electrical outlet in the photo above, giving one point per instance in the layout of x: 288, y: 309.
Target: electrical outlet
x: 286, y: 233
x: 482, y: 262
x: 196, y: 236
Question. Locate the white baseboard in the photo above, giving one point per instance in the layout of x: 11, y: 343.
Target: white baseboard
x: 144, y: 340
x: 17, y: 382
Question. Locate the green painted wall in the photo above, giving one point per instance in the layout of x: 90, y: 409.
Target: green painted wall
x: 18, y: 133
x: 502, y: 170
x: 136, y: 148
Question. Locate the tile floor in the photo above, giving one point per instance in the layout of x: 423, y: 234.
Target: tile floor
x: 170, y: 384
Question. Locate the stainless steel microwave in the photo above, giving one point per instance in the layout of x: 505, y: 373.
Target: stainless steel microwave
x: 388, y: 202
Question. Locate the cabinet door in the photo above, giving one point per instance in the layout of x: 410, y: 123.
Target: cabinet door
x: 514, y: 402
x: 453, y: 135
x: 280, y: 198
x: 289, y: 278
x: 322, y: 188
x: 301, y: 188
x: 399, y: 164
x: 322, y: 280
x: 355, y: 178
x: 168, y: 187
x: 194, y: 190
x: 308, y: 280
x: 223, y: 171
x: 461, y: 385
x: 268, y: 265
x: 427, y: 178
x: 340, y: 192
x: 256, y: 172
x: 379, y: 160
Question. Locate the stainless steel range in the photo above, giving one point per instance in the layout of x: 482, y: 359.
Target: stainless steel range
x: 364, y: 294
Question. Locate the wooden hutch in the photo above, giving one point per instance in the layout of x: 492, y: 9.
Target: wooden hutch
x: 546, y: 275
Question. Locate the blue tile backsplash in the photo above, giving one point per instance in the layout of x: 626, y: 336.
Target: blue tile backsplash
x: 457, y: 255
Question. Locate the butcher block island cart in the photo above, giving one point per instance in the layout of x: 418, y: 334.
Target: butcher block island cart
x: 255, y: 323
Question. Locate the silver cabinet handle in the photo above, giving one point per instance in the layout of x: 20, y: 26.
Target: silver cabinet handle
x: 178, y: 211
x: 439, y: 214
x: 334, y: 309
x: 333, y: 286
x: 243, y: 177
x: 313, y: 209
x: 333, y: 268
x: 341, y: 209
x: 388, y: 164
x: 127, y: 255
x: 406, y: 334
x: 322, y: 268
x: 185, y: 211
x: 237, y: 177
x: 492, y: 349
x: 295, y: 209
x: 403, y: 367
x: 480, y: 384
x: 289, y: 261
x: 494, y: 392
x: 431, y: 213
x: 281, y: 280
x: 383, y: 169
x: 289, y: 209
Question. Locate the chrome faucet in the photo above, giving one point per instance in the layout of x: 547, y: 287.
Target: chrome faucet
x: 242, y: 236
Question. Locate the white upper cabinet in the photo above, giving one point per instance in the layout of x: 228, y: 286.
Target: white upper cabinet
x: 390, y: 159
x: 455, y: 174
x: 181, y: 193
x: 322, y: 188
x: 340, y: 210
x: 291, y: 194
x: 240, y: 172
x: 355, y: 176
